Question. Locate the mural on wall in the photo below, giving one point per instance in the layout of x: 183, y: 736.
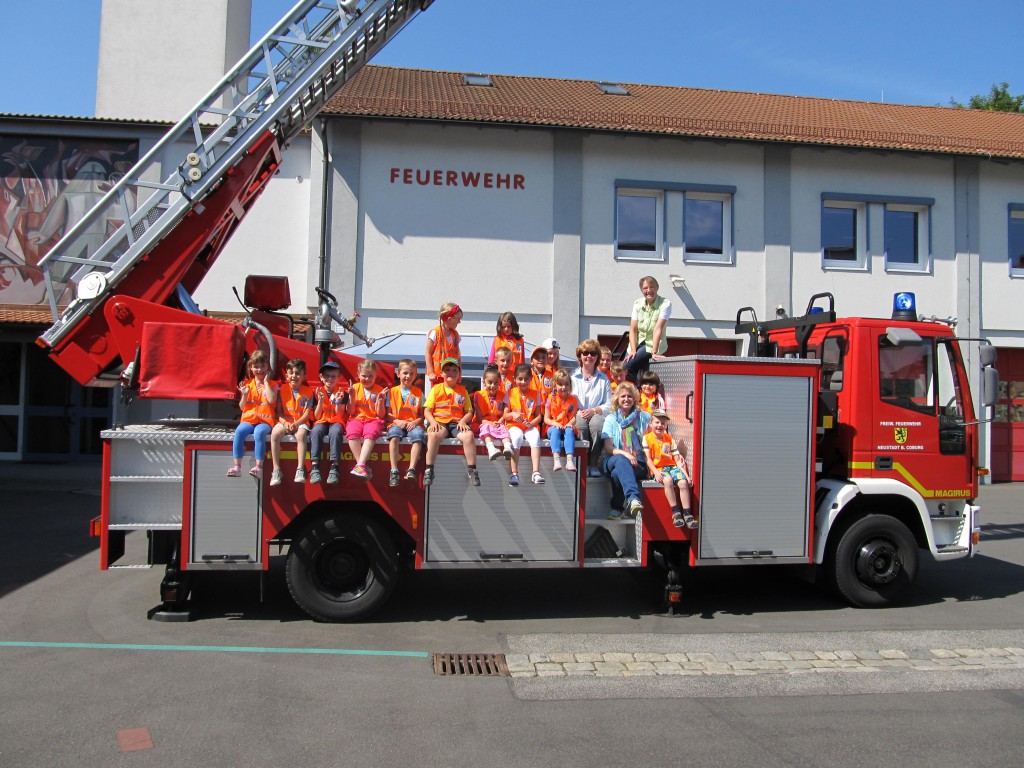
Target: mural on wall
x: 47, y: 184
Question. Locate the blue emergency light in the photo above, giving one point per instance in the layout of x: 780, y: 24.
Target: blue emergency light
x: 904, y: 306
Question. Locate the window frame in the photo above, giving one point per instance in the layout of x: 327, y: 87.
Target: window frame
x: 697, y: 257
x: 923, y: 256
x: 633, y: 254
x: 1015, y: 212
x: 860, y: 209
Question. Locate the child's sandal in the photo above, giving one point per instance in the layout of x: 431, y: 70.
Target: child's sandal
x: 235, y: 472
x: 678, y: 520
x: 691, y: 521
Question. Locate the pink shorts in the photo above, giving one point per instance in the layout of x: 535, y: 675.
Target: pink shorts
x: 364, y: 430
x: 493, y: 431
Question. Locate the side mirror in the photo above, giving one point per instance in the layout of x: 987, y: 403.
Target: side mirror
x: 987, y: 355
x: 989, y: 386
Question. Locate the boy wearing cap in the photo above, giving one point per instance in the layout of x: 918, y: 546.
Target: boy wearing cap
x: 554, y: 351
x: 542, y: 379
x: 329, y: 419
x: 668, y: 465
x: 448, y: 412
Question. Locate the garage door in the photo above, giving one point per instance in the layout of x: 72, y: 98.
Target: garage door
x: 1007, y: 462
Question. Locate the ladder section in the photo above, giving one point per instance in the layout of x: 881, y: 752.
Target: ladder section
x: 277, y: 88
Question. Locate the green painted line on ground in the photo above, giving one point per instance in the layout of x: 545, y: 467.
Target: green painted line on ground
x: 210, y: 648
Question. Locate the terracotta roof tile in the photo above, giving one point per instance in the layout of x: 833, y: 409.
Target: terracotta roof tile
x: 25, y: 315
x: 424, y: 94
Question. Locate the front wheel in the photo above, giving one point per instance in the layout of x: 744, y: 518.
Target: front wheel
x: 342, y: 568
x: 874, y: 561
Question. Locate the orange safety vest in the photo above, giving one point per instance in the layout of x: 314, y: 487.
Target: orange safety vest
x: 257, y: 409
x: 543, y: 384
x: 528, y: 403
x: 294, y: 404
x: 485, y: 409
x: 444, y: 347
x: 333, y: 412
x: 448, y: 405
x: 563, y: 412
x: 364, y: 401
x: 659, y: 451
x: 407, y: 408
x: 651, y: 403
x: 518, y: 347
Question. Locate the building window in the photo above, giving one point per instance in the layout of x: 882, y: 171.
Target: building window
x: 843, y: 235
x: 906, y: 238
x: 1016, y: 242
x: 707, y: 227
x: 639, y: 228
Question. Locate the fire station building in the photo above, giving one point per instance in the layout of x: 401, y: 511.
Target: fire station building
x: 552, y: 198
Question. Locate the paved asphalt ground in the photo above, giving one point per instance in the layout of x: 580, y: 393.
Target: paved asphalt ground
x: 763, y: 670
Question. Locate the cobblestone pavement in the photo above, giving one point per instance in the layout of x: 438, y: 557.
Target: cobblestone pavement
x: 620, y: 664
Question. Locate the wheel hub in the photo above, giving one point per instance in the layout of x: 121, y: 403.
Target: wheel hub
x: 340, y: 569
x: 878, y: 562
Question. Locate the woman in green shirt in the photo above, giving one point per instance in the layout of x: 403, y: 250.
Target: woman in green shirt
x: 647, y: 328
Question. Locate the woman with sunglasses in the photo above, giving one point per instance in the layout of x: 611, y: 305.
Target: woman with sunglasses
x: 594, y: 391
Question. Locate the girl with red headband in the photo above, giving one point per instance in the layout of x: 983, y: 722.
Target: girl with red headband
x: 443, y: 341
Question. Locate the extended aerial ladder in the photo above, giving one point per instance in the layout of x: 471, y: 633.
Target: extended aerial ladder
x: 154, y: 231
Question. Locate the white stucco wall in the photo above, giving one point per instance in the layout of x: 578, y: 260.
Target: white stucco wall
x: 1002, y: 295
x: 157, y: 59
x: 427, y: 237
x: 271, y: 240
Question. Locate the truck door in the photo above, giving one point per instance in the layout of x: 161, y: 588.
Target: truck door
x: 918, y: 430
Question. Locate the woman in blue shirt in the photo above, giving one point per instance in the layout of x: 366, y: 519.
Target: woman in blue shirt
x: 623, y: 434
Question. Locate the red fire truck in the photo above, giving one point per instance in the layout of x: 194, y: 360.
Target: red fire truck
x: 843, y: 445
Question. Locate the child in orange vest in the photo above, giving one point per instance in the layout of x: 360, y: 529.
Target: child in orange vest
x: 329, y: 421
x: 507, y: 371
x: 649, y: 385
x: 366, y: 400
x: 525, y: 411
x: 258, y: 401
x: 617, y: 373
x: 560, y: 418
x: 296, y: 412
x: 443, y: 342
x: 543, y: 378
x: 489, y: 406
x: 508, y: 337
x: 405, y: 410
x: 448, y: 412
x: 668, y: 465
x: 604, y: 360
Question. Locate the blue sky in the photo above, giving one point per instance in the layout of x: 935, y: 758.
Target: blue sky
x: 902, y: 51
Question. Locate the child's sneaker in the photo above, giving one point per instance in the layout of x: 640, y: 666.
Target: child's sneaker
x: 570, y: 464
x: 410, y: 474
x: 507, y: 451
x: 300, y: 476
x: 428, y: 476
x: 492, y: 451
x: 474, y: 476
x: 556, y: 463
x: 635, y: 507
x: 235, y: 472
x: 332, y: 476
x: 359, y: 471
x: 537, y: 478
x: 614, y: 514
x: 394, y: 478
x: 314, y: 475
x: 275, y: 477
x: 513, y: 480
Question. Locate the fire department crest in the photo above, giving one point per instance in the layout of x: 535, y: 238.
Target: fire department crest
x: 900, y: 435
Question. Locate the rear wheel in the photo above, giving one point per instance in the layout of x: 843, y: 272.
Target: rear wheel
x: 342, y: 568
x: 874, y: 561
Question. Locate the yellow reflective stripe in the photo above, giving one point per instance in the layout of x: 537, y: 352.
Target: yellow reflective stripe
x: 911, y: 480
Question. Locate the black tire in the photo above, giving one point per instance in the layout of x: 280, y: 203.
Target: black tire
x: 874, y: 561
x: 342, y: 568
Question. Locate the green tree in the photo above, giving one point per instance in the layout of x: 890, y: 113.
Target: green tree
x: 996, y: 100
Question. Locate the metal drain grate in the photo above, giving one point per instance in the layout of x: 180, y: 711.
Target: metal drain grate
x: 476, y: 664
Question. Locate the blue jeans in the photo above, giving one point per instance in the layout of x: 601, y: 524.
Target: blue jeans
x: 626, y: 479
x: 334, y: 433
x: 555, y: 435
x: 638, y: 364
x: 415, y: 435
x: 260, y: 432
